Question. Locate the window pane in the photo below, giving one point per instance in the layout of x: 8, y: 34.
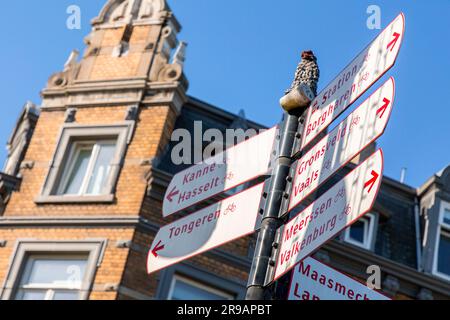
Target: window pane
x: 78, y: 172
x: 447, y: 216
x: 66, y: 295
x: 185, y: 291
x: 31, y: 294
x: 444, y: 254
x: 101, y: 169
x: 357, y: 231
x: 68, y: 273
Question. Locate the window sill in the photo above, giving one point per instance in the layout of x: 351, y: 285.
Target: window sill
x: 358, y: 244
x: 440, y: 275
x: 109, y: 198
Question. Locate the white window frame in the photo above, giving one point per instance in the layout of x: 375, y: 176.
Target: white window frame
x: 442, y: 227
x: 445, y: 207
x: 76, y: 148
x: 50, y: 289
x: 201, y: 286
x: 370, y: 219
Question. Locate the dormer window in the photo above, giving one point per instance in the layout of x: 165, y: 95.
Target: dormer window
x: 361, y: 233
x: 446, y: 218
x: 441, y: 265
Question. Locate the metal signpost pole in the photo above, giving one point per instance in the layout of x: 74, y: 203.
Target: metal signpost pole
x: 271, y: 221
x: 353, y: 196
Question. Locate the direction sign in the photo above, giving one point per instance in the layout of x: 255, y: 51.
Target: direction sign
x: 313, y: 280
x: 362, y: 127
x: 225, y: 221
x: 335, y: 210
x: 372, y: 63
x: 239, y: 164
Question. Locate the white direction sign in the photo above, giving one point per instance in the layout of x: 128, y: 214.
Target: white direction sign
x: 335, y: 210
x: 225, y: 221
x: 362, y: 127
x: 313, y: 280
x: 241, y: 163
x: 354, y: 80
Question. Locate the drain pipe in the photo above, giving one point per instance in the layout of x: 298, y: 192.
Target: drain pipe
x: 418, y: 239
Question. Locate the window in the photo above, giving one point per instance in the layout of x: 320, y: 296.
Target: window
x: 88, y: 168
x: 183, y: 281
x: 186, y: 289
x: 361, y: 232
x: 446, y: 218
x: 52, y: 278
x: 441, y: 265
x: 86, y: 164
x: 53, y: 270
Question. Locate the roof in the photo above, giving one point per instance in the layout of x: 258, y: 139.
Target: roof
x: 198, y: 115
x: 217, y: 112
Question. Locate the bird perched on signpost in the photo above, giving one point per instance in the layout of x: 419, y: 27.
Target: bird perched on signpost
x: 304, y: 87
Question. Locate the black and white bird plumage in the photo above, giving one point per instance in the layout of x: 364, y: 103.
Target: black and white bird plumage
x: 307, y: 72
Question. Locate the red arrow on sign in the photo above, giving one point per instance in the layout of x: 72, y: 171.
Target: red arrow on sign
x: 157, y: 248
x: 211, y: 177
x: 383, y: 107
x: 172, y: 194
x: 298, y: 242
x: 201, y: 231
x: 342, y: 93
x: 372, y: 181
x: 396, y: 36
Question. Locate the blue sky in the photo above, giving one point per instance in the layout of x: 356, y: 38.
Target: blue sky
x: 242, y: 55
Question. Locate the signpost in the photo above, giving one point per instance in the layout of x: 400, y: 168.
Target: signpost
x: 232, y: 218
x: 362, y: 127
x: 280, y: 245
x: 372, y: 63
x: 223, y: 172
x: 338, y: 208
x: 312, y: 280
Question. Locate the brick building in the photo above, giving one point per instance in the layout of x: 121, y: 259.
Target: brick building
x: 82, y: 188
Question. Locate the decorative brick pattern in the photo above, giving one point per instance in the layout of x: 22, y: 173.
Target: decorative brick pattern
x: 140, y: 34
x: 108, y: 67
x: 112, y: 37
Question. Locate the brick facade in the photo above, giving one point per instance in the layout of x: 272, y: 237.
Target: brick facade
x: 121, y: 273
x: 127, y: 65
